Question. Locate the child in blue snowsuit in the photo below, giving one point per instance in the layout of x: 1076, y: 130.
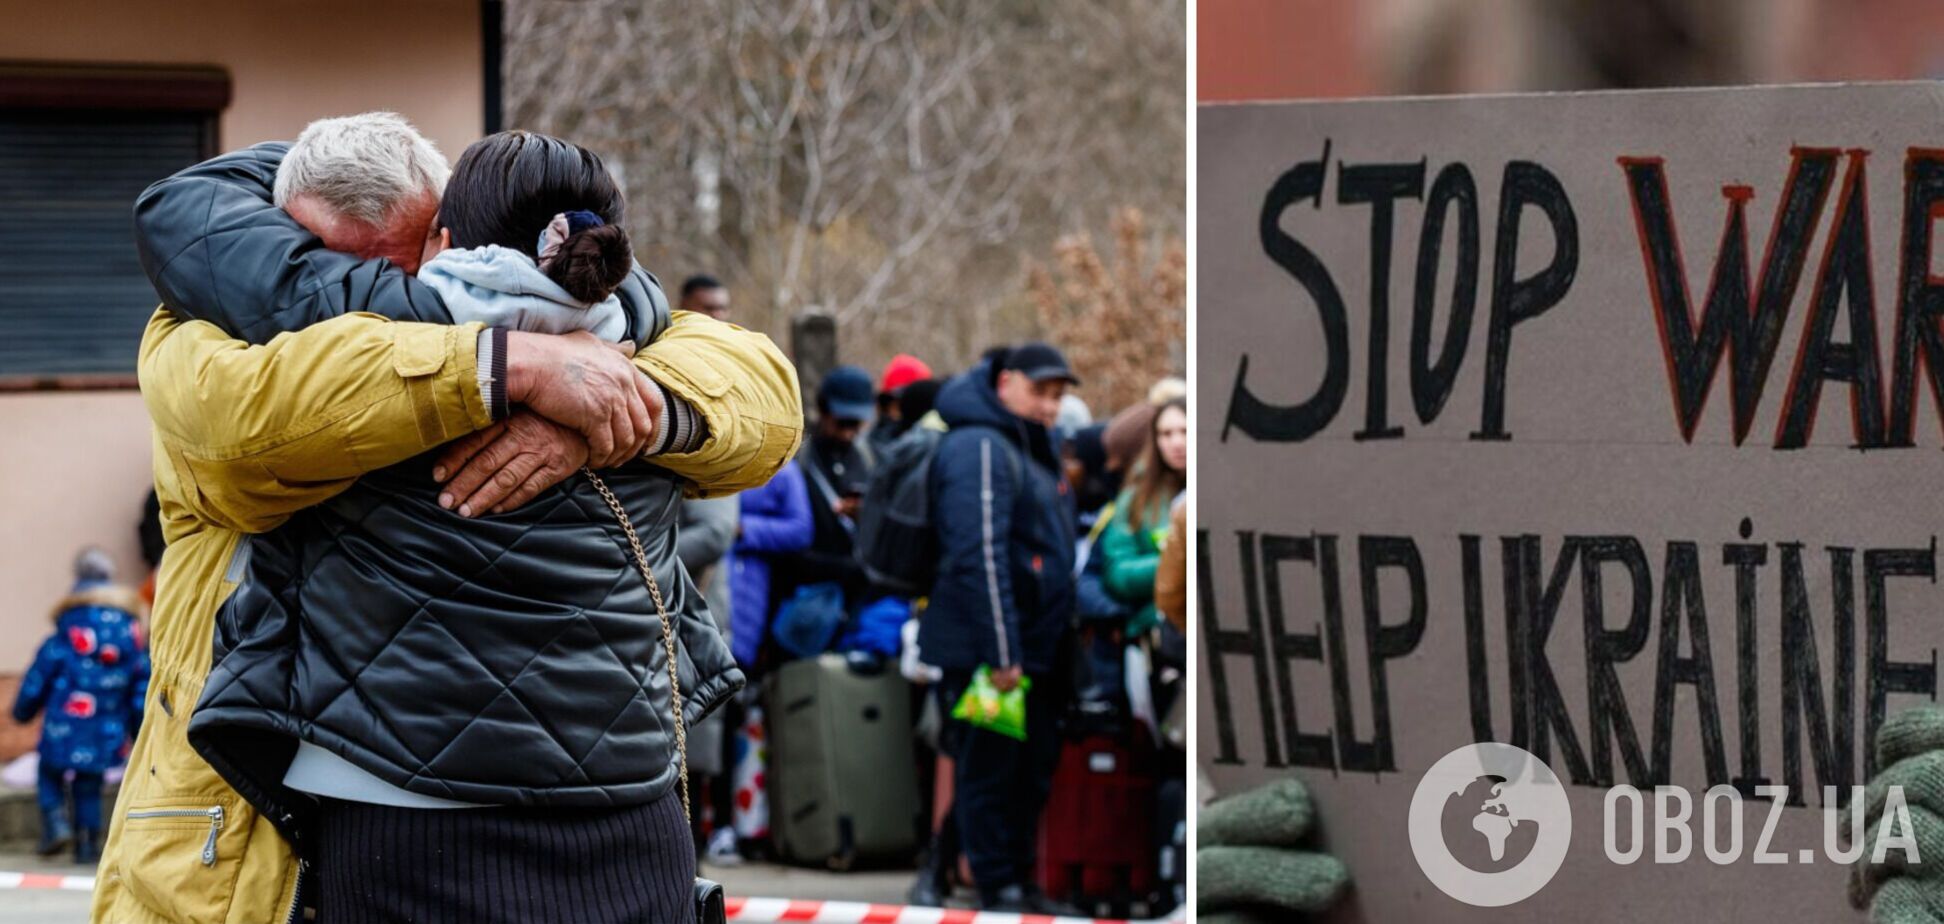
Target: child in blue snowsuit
x: 90, y: 676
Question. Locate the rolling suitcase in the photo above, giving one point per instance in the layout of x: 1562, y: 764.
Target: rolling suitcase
x: 1171, y: 833
x: 1096, y: 846
x: 843, y: 789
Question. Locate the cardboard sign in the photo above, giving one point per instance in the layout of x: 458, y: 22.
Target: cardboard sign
x: 1604, y: 425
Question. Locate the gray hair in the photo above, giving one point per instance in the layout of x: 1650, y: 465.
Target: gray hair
x: 361, y: 166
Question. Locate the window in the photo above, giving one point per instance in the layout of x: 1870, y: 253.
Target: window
x: 76, y: 148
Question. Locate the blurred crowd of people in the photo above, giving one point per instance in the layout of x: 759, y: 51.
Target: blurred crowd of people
x: 1051, y: 547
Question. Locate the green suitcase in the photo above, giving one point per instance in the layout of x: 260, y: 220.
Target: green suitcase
x: 843, y: 787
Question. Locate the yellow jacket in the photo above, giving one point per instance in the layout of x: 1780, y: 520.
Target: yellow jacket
x: 245, y: 436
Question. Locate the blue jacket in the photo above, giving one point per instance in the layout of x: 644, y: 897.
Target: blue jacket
x: 776, y: 519
x: 91, y: 676
x: 1005, y: 519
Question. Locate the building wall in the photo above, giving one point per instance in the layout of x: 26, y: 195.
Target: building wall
x: 289, y: 61
x: 1281, y: 49
x: 1321, y: 49
x: 74, y: 466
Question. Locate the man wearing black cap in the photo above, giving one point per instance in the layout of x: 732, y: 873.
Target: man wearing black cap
x: 837, y: 472
x: 1002, y: 598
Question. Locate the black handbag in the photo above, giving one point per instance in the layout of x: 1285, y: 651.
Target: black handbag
x: 711, y: 907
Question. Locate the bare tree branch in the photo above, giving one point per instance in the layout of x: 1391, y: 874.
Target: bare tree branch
x: 895, y: 162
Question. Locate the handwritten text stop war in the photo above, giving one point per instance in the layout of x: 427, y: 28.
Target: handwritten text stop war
x: 1740, y: 318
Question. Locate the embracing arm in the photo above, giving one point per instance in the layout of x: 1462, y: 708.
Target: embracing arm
x: 745, y: 392
x: 725, y: 400
x: 218, y: 249
x: 257, y: 433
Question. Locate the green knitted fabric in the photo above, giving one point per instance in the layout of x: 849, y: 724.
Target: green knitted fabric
x: 1905, y: 901
x: 1229, y: 877
x: 1910, y: 733
x: 1275, y: 815
x: 1910, y: 754
x: 1922, y: 779
x: 1248, y: 868
x: 1866, y: 877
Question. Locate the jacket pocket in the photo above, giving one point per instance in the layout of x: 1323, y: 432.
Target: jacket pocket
x: 180, y: 856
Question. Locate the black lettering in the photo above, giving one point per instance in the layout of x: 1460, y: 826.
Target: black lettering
x: 1352, y: 754
x: 1226, y: 643
x: 1845, y: 270
x: 1520, y: 599
x: 1432, y: 381
x: 1379, y: 186
x: 1831, y: 730
x: 1920, y: 297
x: 1272, y: 423
x: 1385, y: 643
x: 1681, y: 597
x: 1516, y: 301
x: 1747, y: 559
x: 1548, y: 707
x: 1610, y: 720
x: 1304, y: 749
x: 1887, y: 676
x: 1727, y: 321
x: 1476, y: 671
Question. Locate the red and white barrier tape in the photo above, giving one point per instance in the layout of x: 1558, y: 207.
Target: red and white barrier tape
x: 46, y: 881
x: 742, y: 910
x: 766, y: 910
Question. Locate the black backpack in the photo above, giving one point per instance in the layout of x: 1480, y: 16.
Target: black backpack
x: 896, y: 542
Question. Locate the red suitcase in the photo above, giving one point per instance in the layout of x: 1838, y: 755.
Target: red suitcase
x: 1096, y: 842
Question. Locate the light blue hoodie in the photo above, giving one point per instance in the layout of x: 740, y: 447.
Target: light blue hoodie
x: 502, y: 287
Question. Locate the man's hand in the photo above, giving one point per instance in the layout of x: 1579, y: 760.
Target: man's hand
x: 506, y: 465
x: 1006, y: 678
x: 586, y: 384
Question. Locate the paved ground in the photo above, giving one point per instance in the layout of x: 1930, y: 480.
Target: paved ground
x: 756, y: 880
x: 41, y: 906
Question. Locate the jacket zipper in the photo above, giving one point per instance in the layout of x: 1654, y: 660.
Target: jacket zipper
x: 297, y: 894
x: 215, y: 815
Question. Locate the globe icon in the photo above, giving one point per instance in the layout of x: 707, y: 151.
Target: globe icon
x: 1480, y: 831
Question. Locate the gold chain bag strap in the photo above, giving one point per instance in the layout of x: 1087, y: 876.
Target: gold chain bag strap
x: 710, y: 907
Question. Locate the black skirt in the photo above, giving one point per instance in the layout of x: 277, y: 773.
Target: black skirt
x: 381, y: 863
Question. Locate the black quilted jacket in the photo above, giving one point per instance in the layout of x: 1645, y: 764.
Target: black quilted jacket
x: 509, y: 659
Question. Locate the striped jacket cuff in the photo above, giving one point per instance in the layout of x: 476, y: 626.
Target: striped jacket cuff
x: 679, y: 428
x: 492, y: 371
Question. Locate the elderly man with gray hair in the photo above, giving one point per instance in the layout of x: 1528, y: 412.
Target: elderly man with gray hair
x: 367, y: 185
x: 326, y: 436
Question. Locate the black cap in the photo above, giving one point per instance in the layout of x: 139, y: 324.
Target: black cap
x: 848, y: 393
x: 1040, y: 362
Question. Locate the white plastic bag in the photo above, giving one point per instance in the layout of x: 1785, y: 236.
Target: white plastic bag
x: 1140, y: 695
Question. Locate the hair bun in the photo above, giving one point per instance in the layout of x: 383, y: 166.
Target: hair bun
x: 592, y: 263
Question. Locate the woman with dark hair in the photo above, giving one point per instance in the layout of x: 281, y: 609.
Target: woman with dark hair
x: 475, y: 715
x: 529, y: 237
x: 1130, y: 546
